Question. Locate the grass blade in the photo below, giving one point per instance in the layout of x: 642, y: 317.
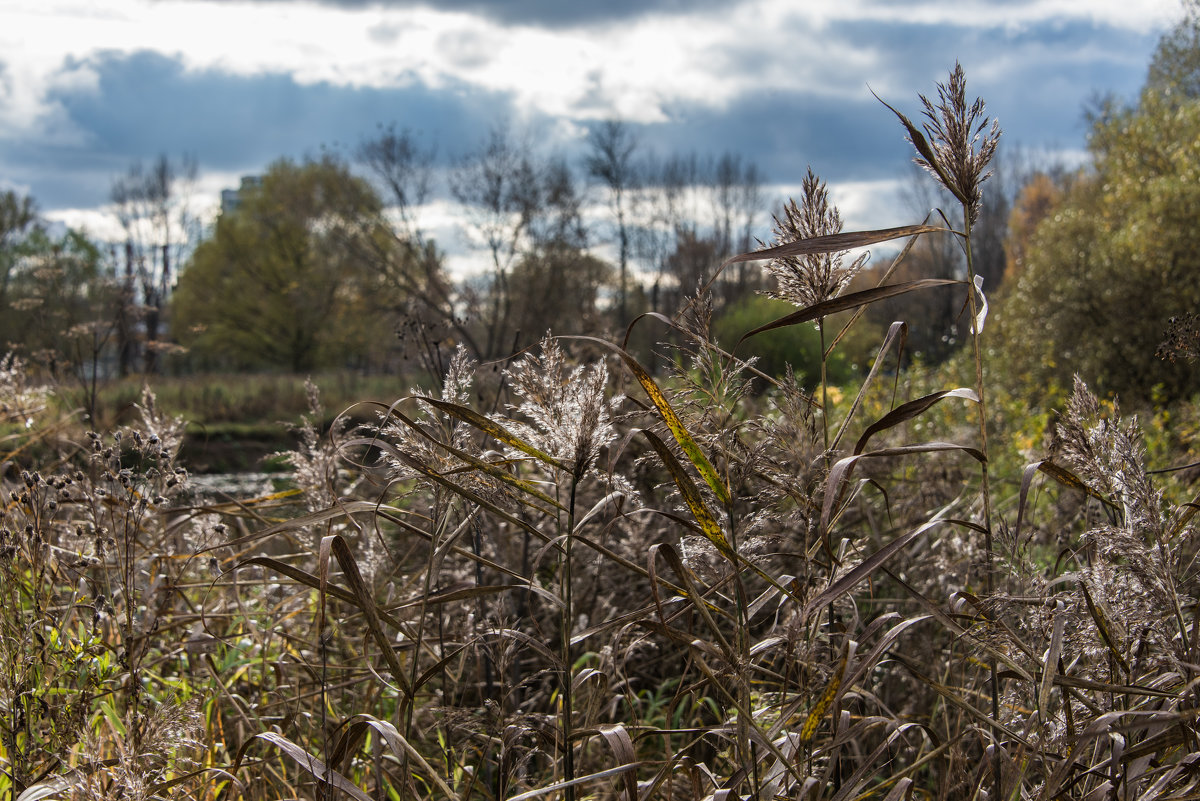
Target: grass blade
x: 832, y: 243
x: 1105, y: 626
x: 400, y: 747
x: 825, y: 701
x: 897, y: 335
x: 908, y: 411
x: 922, y: 145
x: 494, y: 430
x: 307, y: 762
x: 621, y: 744
x: 709, y: 526
x: 1050, y: 663
x: 839, y: 474
x: 864, y: 569
x: 689, y: 445
x: 591, y: 777
x: 493, y: 470
x: 844, y: 302
x: 1068, y: 479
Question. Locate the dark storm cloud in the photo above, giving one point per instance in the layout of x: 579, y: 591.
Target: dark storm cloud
x: 1035, y: 79
x: 146, y: 103
x: 783, y: 133
x: 541, y: 13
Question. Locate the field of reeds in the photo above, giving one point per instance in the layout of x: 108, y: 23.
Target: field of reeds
x: 587, y: 576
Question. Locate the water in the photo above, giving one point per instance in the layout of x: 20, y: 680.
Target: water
x: 220, y: 487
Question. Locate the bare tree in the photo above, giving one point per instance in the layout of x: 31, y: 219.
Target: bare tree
x: 737, y: 202
x: 666, y: 216
x: 560, y: 282
x: 691, y: 213
x: 405, y: 169
x: 611, y: 162
x: 499, y: 190
x: 152, y: 205
x: 558, y: 223
x: 410, y: 262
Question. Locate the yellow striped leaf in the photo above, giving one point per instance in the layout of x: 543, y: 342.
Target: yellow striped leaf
x: 826, y: 700
x: 494, y: 430
x: 691, y: 496
x: 685, y: 440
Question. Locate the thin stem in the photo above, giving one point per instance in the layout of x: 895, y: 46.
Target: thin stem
x: 824, y: 389
x: 988, y: 578
x: 565, y: 646
x: 742, y: 644
x: 429, y: 582
x: 980, y: 391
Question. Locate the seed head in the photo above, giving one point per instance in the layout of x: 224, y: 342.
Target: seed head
x: 956, y: 151
x: 568, y: 414
x: 811, y: 279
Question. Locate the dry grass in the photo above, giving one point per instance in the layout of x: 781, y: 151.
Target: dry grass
x: 601, y: 580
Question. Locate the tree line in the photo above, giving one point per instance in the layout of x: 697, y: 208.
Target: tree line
x: 322, y: 262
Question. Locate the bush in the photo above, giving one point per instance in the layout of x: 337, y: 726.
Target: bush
x: 798, y: 347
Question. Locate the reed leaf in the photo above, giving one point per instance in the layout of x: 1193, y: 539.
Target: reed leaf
x: 896, y: 336
x: 689, y: 445
x: 864, y: 569
x: 907, y: 411
x: 708, y: 524
x: 494, y: 430
x: 307, y: 762
x: 844, y: 302
x: 832, y: 243
x: 825, y: 701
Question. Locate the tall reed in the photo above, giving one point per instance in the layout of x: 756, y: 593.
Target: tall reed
x: 593, y: 575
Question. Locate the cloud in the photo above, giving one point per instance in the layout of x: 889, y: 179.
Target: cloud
x: 145, y: 103
x: 1145, y: 15
x: 87, y: 87
x: 785, y: 132
x: 553, y: 14
x: 625, y: 58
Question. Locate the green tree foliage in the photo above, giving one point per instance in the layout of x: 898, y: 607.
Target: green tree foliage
x: 18, y: 215
x: 1175, y: 68
x: 798, y: 346
x: 58, y: 300
x: 1120, y: 255
x: 283, y: 282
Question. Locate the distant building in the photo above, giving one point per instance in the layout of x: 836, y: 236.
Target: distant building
x: 232, y: 198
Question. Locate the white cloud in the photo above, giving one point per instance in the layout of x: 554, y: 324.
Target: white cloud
x: 1143, y: 16
x: 634, y: 69
x: 97, y: 223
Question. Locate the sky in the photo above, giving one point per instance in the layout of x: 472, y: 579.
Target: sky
x: 87, y: 87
